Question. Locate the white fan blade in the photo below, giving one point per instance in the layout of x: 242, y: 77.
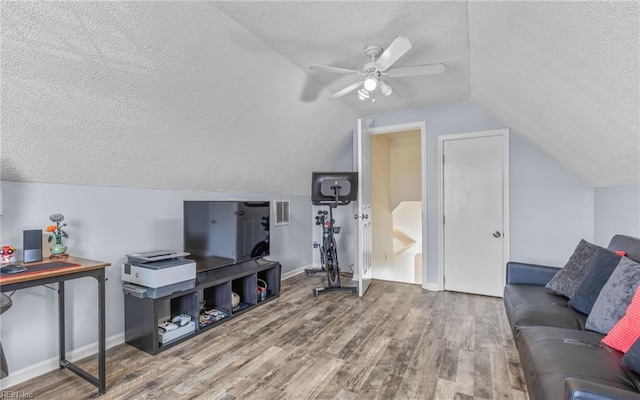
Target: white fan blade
x: 335, y: 70
x: 346, y: 90
x: 431, y: 69
x: 396, y: 49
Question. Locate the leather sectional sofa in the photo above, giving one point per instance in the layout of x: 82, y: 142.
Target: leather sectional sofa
x: 559, y: 357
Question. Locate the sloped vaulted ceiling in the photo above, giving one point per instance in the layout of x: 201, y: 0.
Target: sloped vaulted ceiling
x: 565, y: 74
x: 335, y: 34
x: 158, y: 94
x: 216, y: 95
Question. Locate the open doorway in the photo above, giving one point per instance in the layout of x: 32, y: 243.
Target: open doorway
x: 397, y: 206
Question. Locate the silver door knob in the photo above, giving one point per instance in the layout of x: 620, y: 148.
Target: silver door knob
x: 356, y: 216
x: 496, y: 234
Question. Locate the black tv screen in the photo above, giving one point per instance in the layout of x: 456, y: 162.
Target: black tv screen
x: 226, y: 232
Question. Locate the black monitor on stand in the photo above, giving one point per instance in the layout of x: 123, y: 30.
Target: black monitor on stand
x: 333, y: 189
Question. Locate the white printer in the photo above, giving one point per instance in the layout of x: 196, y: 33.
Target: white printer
x: 159, y: 272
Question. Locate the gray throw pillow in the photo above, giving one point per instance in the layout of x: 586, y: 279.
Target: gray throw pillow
x: 600, y: 269
x: 632, y: 357
x: 615, y: 296
x: 567, y: 280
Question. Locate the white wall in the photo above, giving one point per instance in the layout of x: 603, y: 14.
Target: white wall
x: 105, y: 223
x: 569, y: 208
x: 617, y: 211
x: 551, y: 208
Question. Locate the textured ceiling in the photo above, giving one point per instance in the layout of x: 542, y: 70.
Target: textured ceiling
x: 157, y: 94
x: 335, y: 34
x: 563, y: 74
x: 215, y: 95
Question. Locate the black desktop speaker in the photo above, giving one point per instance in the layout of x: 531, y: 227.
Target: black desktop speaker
x: 32, y: 249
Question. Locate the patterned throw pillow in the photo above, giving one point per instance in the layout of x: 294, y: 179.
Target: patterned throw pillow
x: 627, y: 330
x: 615, y: 296
x: 600, y: 269
x: 567, y: 280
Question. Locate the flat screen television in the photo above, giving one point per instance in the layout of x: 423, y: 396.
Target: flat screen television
x: 221, y: 233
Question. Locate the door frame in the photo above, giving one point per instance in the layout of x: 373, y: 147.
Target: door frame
x: 422, y: 125
x: 506, y: 234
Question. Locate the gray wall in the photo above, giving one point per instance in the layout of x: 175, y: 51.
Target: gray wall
x: 551, y: 209
x: 106, y: 223
x: 617, y: 210
x: 546, y: 199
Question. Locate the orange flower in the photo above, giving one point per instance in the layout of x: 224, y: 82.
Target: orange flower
x: 51, y: 228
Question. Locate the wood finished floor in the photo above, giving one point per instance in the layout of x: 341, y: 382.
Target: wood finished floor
x: 398, y: 342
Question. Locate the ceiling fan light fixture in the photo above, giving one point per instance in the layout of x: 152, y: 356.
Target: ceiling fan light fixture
x: 371, y: 83
x: 385, y: 88
x: 363, y: 94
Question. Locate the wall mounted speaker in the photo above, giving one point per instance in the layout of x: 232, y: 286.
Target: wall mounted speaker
x: 32, y: 249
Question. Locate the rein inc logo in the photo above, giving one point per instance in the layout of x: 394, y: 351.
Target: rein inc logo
x: 14, y: 394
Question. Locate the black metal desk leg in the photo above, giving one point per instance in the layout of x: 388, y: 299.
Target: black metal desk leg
x: 61, y: 323
x: 102, y: 377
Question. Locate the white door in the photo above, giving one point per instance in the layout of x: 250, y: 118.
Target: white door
x: 365, y: 274
x: 473, y: 204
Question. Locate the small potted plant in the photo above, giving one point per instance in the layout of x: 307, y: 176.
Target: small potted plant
x: 56, y: 231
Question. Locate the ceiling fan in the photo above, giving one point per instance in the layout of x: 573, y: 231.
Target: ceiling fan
x: 376, y: 72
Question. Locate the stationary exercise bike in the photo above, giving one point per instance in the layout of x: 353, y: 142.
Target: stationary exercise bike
x: 333, y: 190
x: 322, y: 221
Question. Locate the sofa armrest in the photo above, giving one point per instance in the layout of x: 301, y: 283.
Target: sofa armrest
x: 580, y: 389
x: 529, y: 274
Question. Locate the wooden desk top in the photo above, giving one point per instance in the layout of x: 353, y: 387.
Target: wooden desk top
x: 84, y: 265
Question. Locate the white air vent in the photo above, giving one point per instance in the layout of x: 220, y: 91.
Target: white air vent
x: 281, y: 212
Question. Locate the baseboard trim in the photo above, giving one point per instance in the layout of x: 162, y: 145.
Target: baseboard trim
x: 52, y: 364
x: 298, y: 271
x: 433, y: 287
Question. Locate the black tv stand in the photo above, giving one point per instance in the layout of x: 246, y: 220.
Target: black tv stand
x: 213, y: 289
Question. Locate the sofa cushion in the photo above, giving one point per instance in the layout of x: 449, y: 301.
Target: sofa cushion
x: 632, y: 357
x: 529, y: 305
x: 600, y: 269
x: 627, y: 331
x: 567, y: 280
x: 518, y: 294
x: 615, y: 297
x: 550, y: 355
x: 629, y: 244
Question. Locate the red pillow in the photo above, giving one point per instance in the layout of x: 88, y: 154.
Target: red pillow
x: 627, y: 330
x: 621, y: 253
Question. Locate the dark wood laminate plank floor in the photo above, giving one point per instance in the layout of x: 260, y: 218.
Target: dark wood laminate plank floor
x: 398, y: 342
